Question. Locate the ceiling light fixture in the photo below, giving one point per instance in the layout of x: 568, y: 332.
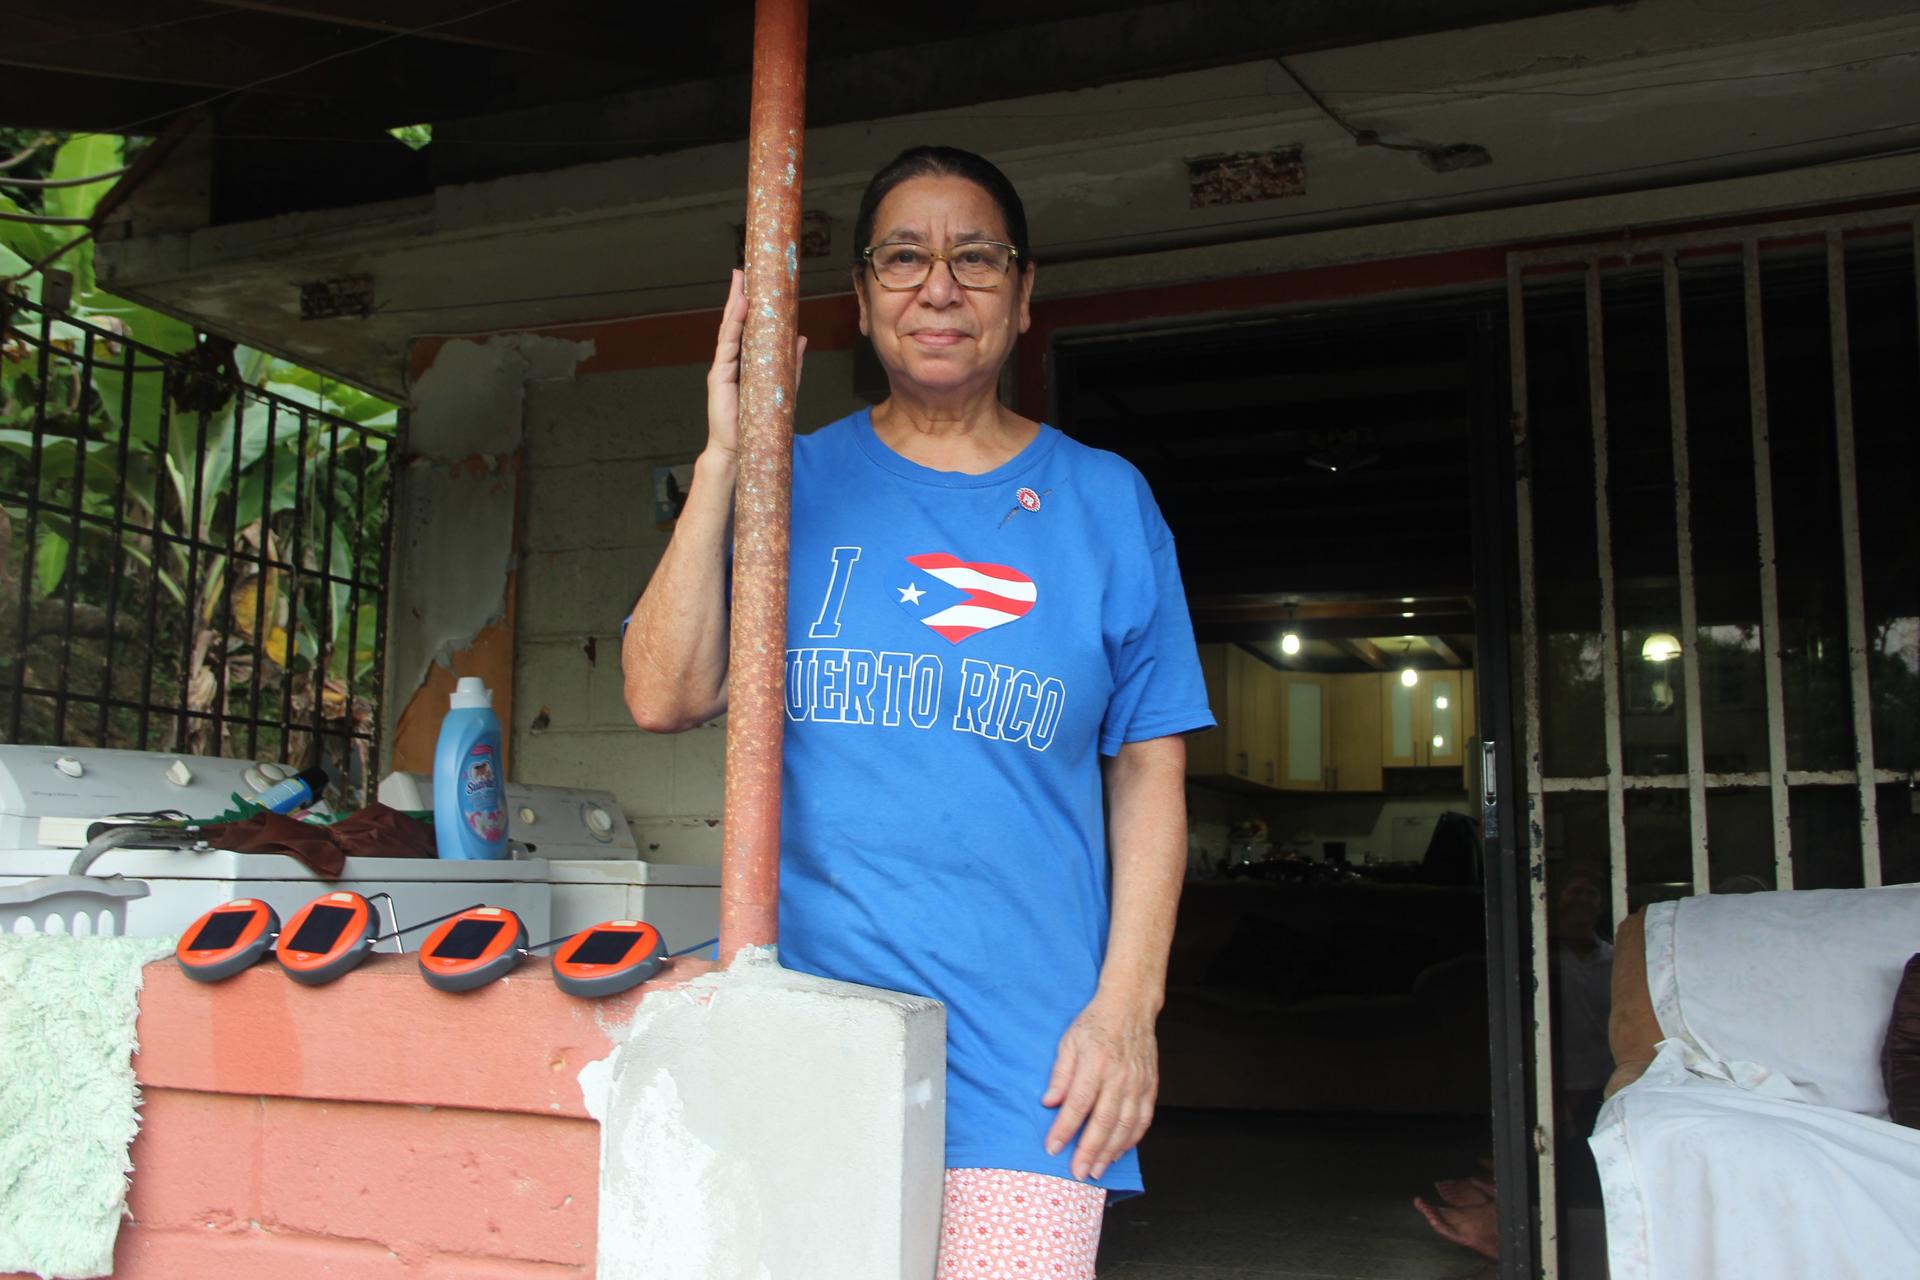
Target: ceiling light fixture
x: 1660, y: 647
x: 1345, y: 449
x: 1290, y: 644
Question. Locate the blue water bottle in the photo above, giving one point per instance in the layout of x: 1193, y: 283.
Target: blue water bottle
x: 469, y: 789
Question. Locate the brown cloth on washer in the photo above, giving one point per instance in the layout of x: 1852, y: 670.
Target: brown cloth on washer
x: 374, y: 832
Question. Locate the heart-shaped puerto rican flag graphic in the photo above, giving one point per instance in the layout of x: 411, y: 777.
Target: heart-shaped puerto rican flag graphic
x: 960, y: 598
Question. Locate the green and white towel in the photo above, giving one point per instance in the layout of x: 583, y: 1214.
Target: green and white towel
x: 69, y: 1107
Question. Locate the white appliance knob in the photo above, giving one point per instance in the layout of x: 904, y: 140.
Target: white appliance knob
x: 528, y: 816
x: 70, y: 766
x: 599, y: 821
x: 178, y: 773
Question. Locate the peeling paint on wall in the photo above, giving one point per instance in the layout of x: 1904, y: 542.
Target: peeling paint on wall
x: 455, y: 535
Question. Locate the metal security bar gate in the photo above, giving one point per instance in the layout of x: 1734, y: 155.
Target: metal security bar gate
x: 188, y: 562
x: 1730, y: 293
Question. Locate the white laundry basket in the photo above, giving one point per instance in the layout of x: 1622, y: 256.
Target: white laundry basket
x: 77, y: 905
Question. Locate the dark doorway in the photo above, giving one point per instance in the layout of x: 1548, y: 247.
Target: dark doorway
x: 1345, y: 989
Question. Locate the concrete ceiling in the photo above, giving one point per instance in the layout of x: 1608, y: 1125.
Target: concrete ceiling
x: 1684, y: 97
x: 354, y: 64
x: 297, y: 90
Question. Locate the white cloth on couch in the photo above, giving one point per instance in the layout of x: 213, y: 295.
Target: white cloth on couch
x: 1800, y: 983
x: 1703, y: 1179
x: 1757, y: 1143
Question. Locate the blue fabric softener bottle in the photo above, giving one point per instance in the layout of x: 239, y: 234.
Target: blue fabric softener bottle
x: 469, y: 792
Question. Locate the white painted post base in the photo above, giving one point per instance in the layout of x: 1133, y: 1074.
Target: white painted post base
x: 759, y: 1124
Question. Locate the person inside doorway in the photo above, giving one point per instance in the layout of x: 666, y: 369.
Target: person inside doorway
x: 1466, y: 1208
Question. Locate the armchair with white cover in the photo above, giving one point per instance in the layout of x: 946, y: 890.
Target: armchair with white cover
x: 1746, y: 1132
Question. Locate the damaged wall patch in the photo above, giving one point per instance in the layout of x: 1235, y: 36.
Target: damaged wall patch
x: 1241, y: 177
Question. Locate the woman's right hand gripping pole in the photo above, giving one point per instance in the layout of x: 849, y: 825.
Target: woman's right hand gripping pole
x: 674, y: 655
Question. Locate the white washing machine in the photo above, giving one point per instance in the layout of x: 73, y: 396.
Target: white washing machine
x: 591, y: 861
x: 574, y: 861
x: 51, y: 796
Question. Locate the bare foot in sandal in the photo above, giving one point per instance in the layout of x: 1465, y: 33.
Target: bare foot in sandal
x: 1474, y: 1227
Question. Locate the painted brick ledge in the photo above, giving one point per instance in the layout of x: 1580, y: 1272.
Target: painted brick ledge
x: 368, y: 1129
x: 381, y: 1034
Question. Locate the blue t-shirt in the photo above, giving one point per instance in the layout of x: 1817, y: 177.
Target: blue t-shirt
x: 961, y: 651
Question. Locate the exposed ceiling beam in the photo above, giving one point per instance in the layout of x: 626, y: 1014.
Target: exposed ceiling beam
x: 1202, y: 484
x: 1445, y: 651
x: 230, y: 51
x: 1319, y: 611
x: 1422, y: 414
x: 519, y: 28
x: 1178, y: 390
x: 354, y: 72
x: 936, y: 62
x: 35, y: 99
x: 1332, y: 630
x: 1365, y: 650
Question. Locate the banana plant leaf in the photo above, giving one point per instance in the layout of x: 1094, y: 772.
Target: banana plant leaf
x: 25, y: 240
x: 57, y: 456
x: 82, y: 156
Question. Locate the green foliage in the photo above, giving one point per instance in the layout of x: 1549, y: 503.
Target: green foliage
x: 415, y: 136
x: 111, y: 444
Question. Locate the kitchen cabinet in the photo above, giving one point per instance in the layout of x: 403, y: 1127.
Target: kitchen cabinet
x: 1303, y: 731
x: 1355, y: 747
x: 1306, y: 731
x: 1244, y: 693
x: 1427, y: 724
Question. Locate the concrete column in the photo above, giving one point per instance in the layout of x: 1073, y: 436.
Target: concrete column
x: 760, y: 1124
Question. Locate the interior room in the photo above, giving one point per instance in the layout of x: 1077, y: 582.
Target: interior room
x: 1324, y: 1049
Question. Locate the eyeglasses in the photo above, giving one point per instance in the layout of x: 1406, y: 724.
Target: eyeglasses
x: 978, y: 264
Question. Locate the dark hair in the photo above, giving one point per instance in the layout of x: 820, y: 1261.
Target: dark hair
x: 948, y: 162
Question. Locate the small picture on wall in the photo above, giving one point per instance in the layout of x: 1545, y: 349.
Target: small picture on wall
x: 670, y: 485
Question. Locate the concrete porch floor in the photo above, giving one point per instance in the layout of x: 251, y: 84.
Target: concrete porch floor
x: 1247, y: 1195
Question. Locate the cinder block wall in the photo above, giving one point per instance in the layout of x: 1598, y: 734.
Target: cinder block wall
x: 589, y: 546
x: 373, y: 1128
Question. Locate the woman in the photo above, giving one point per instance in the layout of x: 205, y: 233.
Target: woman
x: 987, y: 643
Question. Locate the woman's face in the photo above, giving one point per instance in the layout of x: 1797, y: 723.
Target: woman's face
x: 941, y: 337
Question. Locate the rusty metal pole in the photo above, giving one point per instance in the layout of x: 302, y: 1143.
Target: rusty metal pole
x: 750, y: 866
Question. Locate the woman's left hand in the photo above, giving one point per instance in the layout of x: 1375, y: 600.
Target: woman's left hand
x: 1105, y: 1077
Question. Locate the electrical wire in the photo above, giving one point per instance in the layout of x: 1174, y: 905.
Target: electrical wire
x: 28, y: 154
x: 41, y: 220
x: 1365, y: 137
x: 93, y: 36
x: 48, y: 184
x: 304, y: 67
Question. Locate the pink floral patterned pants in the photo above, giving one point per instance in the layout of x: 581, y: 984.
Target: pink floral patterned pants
x: 1002, y: 1225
